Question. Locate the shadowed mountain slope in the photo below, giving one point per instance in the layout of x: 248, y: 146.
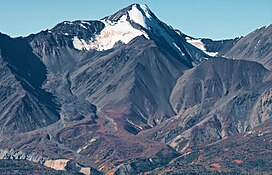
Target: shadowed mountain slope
x: 25, y: 105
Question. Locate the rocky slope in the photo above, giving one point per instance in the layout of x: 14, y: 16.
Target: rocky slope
x: 85, y: 67
x: 256, y: 46
x: 126, y: 94
x: 215, y: 100
x: 100, y: 90
x: 25, y: 106
x: 245, y: 153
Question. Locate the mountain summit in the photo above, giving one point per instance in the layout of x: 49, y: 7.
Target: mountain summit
x: 137, y: 13
x: 121, y: 28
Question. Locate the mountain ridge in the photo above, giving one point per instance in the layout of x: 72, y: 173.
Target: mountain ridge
x: 129, y: 95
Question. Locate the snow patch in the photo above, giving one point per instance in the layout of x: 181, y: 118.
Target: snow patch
x: 188, y: 153
x: 93, y: 140
x: 179, y: 49
x: 196, y: 42
x: 83, y: 26
x: 120, y: 31
x: 88, y: 144
x: 146, y: 10
x: 136, y: 15
x: 68, y: 23
x: 140, y: 16
x: 133, y: 124
x: 260, y: 135
x: 178, y: 32
x: 80, y: 44
x: 84, y: 22
x: 200, y: 45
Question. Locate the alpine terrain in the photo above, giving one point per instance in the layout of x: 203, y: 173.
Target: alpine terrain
x: 128, y: 94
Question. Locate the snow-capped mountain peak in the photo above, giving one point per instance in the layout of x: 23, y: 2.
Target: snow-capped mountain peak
x: 122, y: 27
x: 113, y: 32
x: 140, y: 14
x: 118, y: 28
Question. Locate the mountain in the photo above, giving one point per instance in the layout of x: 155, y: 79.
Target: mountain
x: 223, y: 119
x: 215, y: 100
x: 99, y: 88
x: 256, y: 46
x: 126, y: 52
x: 25, y: 106
x: 125, y: 94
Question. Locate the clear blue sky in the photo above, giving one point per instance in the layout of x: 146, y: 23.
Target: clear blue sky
x: 216, y: 19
